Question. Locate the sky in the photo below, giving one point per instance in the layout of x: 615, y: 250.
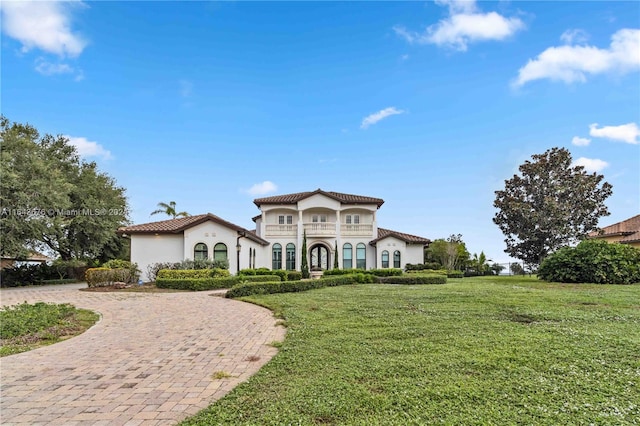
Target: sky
x: 430, y: 106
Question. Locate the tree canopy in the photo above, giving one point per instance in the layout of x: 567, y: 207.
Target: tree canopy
x: 51, y: 199
x: 551, y: 204
x: 170, y: 210
x: 451, y: 253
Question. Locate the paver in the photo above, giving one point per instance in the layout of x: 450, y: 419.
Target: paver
x: 149, y: 360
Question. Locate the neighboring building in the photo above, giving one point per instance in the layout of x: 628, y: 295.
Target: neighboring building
x: 34, y: 258
x: 625, y: 232
x: 330, y: 220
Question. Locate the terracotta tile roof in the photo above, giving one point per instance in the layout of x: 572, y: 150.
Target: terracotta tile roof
x: 628, y: 230
x: 407, y: 238
x: 338, y: 196
x: 177, y: 226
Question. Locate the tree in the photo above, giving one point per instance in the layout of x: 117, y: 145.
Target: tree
x: 496, y: 268
x: 336, y: 265
x: 170, y: 210
x: 479, y: 263
x: 516, y: 269
x: 304, y: 265
x: 551, y: 204
x: 50, y: 198
x: 451, y: 253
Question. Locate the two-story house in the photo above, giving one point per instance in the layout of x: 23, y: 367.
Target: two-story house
x: 336, y: 226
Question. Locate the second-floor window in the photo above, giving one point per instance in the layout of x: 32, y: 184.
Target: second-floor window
x: 282, y: 219
x: 352, y: 219
x: 319, y: 218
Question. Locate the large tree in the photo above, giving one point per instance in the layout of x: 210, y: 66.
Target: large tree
x: 50, y: 198
x: 550, y: 204
x: 450, y: 253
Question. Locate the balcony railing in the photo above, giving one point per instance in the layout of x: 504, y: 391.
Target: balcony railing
x: 281, y: 230
x: 360, y: 229
x: 319, y: 229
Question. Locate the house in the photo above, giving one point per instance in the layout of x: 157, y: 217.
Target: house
x: 34, y: 258
x: 625, y: 232
x: 336, y: 225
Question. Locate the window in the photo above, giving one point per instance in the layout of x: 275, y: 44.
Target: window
x: 347, y: 256
x: 348, y: 219
x: 361, y: 256
x: 291, y: 257
x: 319, y: 218
x: 220, y: 252
x: 396, y: 259
x: 276, y: 259
x: 356, y: 219
x: 200, y: 252
x: 281, y: 220
x: 289, y: 220
x: 385, y: 259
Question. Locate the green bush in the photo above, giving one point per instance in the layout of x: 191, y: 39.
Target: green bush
x: 332, y: 272
x: 201, y: 284
x: 19, y: 320
x: 247, y: 289
x: 177, y: 274
x: 455, y: 274
x: 414, y: 279
x: 592, y: 261
x: 294, y: 275
x: 101, y: 277
x: 132, y: 274
x: 384, y: 272
x: 422, y: 266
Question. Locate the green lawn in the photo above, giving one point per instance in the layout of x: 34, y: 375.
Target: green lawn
x: 26, y: 326
x: 490, y: 350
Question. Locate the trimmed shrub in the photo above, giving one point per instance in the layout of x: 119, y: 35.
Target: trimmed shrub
x: 422, y: 266
x: 177, y: 274
x: 98, y: 277
x: 210, y: 283
x: 593, y: 261
x: 294, y: 276
x: 247, y: 289
x: 414, y: 279
x: 132, y: 274
x: 455, y: 274
x: 331, y: 272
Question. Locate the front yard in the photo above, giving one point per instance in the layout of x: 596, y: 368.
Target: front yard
x: 489, y: 350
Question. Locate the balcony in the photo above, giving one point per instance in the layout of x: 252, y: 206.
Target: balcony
x: 281, y: 230
x: 320, y: 229
x: 356, y: 230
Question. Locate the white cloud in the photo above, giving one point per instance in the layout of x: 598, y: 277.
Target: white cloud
x: 571, y: 64
x: 262, y: 188
x: 47, y: 68
x: 380, y: 115
x: 87, y: 148
x: 591, y: 164
x: 43, y: 25
x: 463, y: 26
x: 628, y: 133
x: 574, y: 36
x: 578, y: 141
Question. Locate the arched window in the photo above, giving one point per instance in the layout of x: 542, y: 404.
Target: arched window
x: 396, y: 259
x: 347, y: 256
x: 291, y: 257
x: 276, y: 260
x: 200, y: 252
x: 220, y: 252
x: 361, y: 256
x: 385, y: 259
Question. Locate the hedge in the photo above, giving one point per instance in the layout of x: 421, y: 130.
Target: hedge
x: 202, y: 284
x: 247, y: 289
x: 414, y: 279
x: 100, y: 277
x: 384, y: 272
x: 177, y: 274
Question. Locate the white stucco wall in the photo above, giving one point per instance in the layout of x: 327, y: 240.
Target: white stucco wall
x: 409, y: 253
x: 149, y: 249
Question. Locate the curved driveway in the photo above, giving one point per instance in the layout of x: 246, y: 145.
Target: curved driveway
x: 151, y: 359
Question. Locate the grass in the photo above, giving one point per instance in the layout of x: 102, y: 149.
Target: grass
x: 25, y: 327
x: 488, y: 350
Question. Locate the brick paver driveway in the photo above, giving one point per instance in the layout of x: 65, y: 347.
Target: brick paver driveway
x: 149, y: 360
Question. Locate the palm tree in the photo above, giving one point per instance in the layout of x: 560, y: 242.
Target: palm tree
x: 169, y: 210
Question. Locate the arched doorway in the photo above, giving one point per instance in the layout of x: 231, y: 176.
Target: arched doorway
x: 319, y: 256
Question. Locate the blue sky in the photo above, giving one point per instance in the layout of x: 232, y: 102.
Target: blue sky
x: 427, y: 105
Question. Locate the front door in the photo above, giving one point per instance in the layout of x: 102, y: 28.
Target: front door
x: 319, y: 257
